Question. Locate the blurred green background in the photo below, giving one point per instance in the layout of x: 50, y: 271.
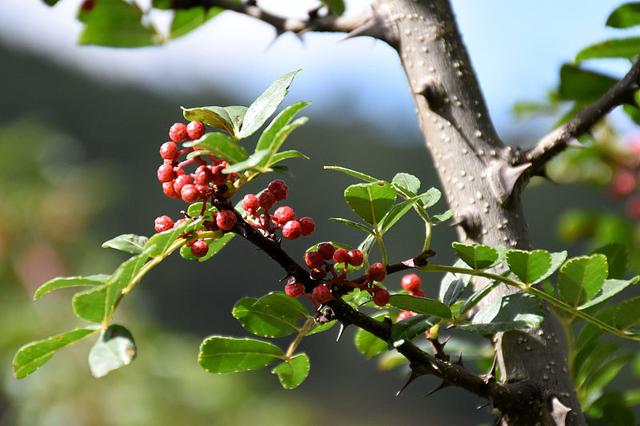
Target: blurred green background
x: 77, y: 167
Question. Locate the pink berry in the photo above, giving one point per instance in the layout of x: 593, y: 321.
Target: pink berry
x: 411, y: 282
x: 266, y: 200
x: 292, y: 230
x: 178, y: 132
x: 633, y: 207
x: 378, y: 272
x: 169, y: 151
x: 623, y: 183
x: 163, y: 223
x: 167, y: 189
x: 203, y: 175
x: 195, y: 130
x: 283, y: 215
x: 180, y: 182
x: 380, y: 296
x: 404, y: 315
x: 321, y: 294
x: 199, y: 248
x: 294, y: 289
x: 250, y: 202
x: 190, y: 194
x: 308, y: 225
x: 340, y: 255
x: 326, y: 250
x: 165, y: 173
x: 279, y: 189
x: 313, y: 259
x: 355, y: 257
x: 226, y: 220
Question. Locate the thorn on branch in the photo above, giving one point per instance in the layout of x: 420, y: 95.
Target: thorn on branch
x: 414, y: 374
x: 438, y: 388
x: 503, y: 178
x: 343, y: 326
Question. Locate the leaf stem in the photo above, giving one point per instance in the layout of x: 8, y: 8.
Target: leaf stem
x: 308, y: 325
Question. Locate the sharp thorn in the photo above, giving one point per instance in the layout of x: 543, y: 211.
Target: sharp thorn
x: 341, y: 331
x: 412, y: 376
x: 575, y: 143
x: 480, y: 407
x: 459, y: 361
x: 436, y: 389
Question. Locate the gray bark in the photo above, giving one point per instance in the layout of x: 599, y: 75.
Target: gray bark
x: 477, y: 173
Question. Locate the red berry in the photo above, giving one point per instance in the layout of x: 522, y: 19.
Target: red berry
x: 178, y: 132
x: 266, y: 200
x: 318, y: 273
x: 167, y: 188
x: 203, y: 175
x: 250, y: 202
x: 355, y: 257
x: 380, y: 296
x: 418, y: 293
x: 378, y: 272
x: 87, y: 5
x: 623, y: 183
x: 326, y: 250
x: 294, y: 289
x: 321, y: 294
x: 218, y: 177
x: 165, y: 173
x: 169, y: 151
x: 199, y: 248
x: 633, y: 207
x: 411, y: 282
x: 226, y: 220
x: 340, y: 255
x: 190, y: 194
x: 163, y: 223
x: 210, y: 225
x: 195, y: 130
x: 404, y: 315
x: 180, y: 182
x: 313, y: 259
x: 283, y: 215
x: 292, y: 230
x: 279, y: 189
x: 308, y: 225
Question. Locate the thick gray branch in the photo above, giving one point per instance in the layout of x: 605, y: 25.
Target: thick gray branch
x: 556, y: 141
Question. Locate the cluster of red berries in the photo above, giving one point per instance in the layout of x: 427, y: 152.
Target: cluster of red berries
x: 624, y: 183
x: 196, y: 186
x: 258, y: 208
x: 413, y: 284
x: 320, y: 264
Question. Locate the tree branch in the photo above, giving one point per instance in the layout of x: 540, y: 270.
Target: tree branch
x: 512, y: 397
x: 364, y: 24
x: 559, y: 139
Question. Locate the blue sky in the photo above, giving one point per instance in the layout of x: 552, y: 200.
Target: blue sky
x: 516, y: 49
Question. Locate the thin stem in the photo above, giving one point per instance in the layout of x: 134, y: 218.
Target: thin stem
x: 383, y: 250
x: 308, y: 325
x: 538, y: 293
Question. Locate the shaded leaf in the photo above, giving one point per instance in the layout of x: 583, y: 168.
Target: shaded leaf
x: 453, y: 285
x: 609, y: 289
x: 407, y: 182
x: 557, y: 259
x: 529, y: 266
x: 116, y: 23
x: 580, y: 85
x: 251, y: 162
x: 281, y: 137
x: 293, y: 371
x: 420, y: 305
x: 368, y: 344
x: 616, y: 259
x: 66, y: 282
x: 214, y: 116
x: 370, y: 201
x: 412, y: 327
x: 581, y: 278
x: 285, y: 155
x: 114, y: 349
x: 128, y: 243
x: 221, y: 146
x: 273, y: 315
x: 220, y: 354
x: 515, y: 311
x: 352, y: 224
x: 478, y: 256
x: 268, y: 137
x: 186, y: 20
x: 89, y: 305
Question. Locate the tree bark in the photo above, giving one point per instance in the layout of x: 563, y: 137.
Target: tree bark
x: 481, y: 183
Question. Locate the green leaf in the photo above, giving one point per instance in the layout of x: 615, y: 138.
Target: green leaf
x: 161, y: 241
x: 529, y: 266
x: 390, y: 360
x: 430, y: 198
x: 609, y: 289
x: 186, y: 20
x: 216, y: 245
x: 128, y: 243
x: 411, y: 327
x: 214, y: 116
x: 34, y: 355
x: 352, y: 224
x: 266, y: 104
x: 285, y: 155
x: 293, y: 371
x: 254, y: 159
x: 121, y: 278
x: 358, y: 175
x: 50, y: 2
x: 220, y: 354
x: 114, y: 349
x: 625, y: 314
x: 453, y: 285
x: 281, y: 137
x: 406, y: 182
x: 370, y: 201
x: 442, y: 217
x: 236, y: 114
x: 614, y: 48
x: 268, y: 137
x: 478, y: 256
x: 396, y: 213
x: 66, y: 282
x: 625, y: 16
x: 557, y: 259
x: 368, y: 344
x: 336, y: 7
x: 515, y: 311
x: 476, y: 297
x: 320, y: 328
x: 581, y: 278
x: 273, y: 315
x: 420, y: 305
x: 616, y: 259
x: 583, y: 86
x: 116, y: 23
x: 222, y: 146
x: 89, y: 305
